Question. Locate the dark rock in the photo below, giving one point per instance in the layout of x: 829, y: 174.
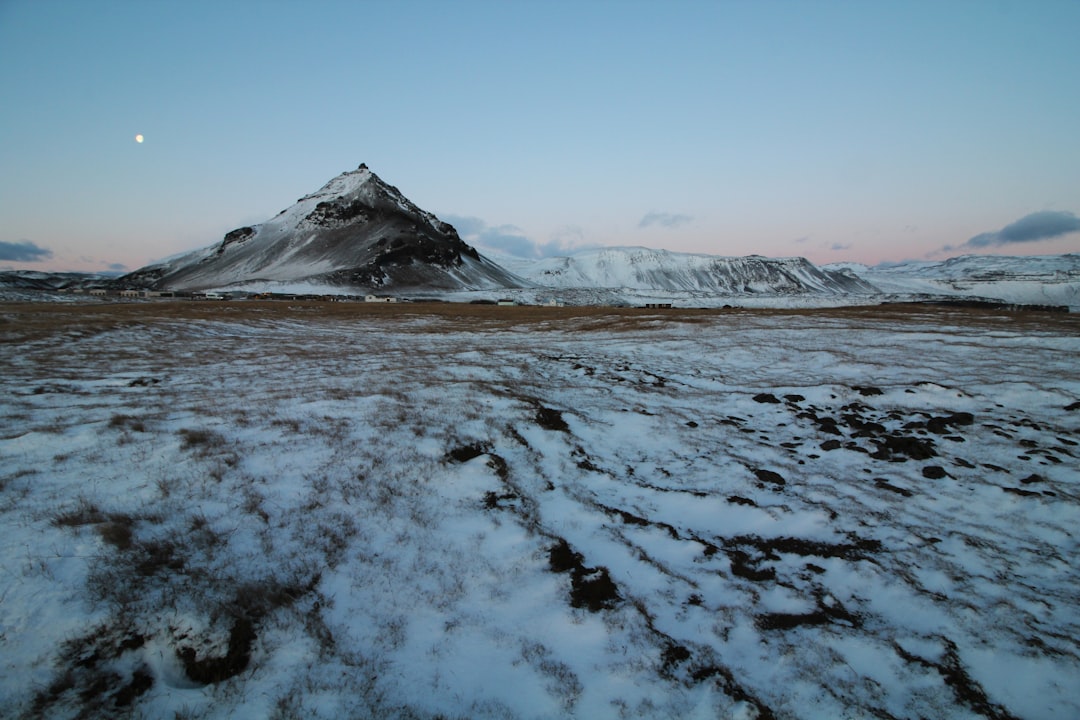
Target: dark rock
x: 1074, y: 406
x: 934, y: 472
x: 1020, y: 492
x: 464, y: 453
x: 830, y: 445
x: 867, y: 390
x: 886, y: 485
x: 827, y: 425
x: 770, y: 477
x: 236, y: 236
x: 739, y: 500
x: 900, y: 447
x: 551, y: 419
x: 1033, y: 478
x: 794, y: 398
x: 937, y: 425
x: 766, y: 398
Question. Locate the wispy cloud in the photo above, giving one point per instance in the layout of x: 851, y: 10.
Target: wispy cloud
x: 663, y: 219
x: 840, y: 246
x: 512, y: 240
x: 23, y: 251
x: 1042, y: 225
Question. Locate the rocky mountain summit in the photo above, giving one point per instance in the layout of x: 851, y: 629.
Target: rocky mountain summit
x: 356, y: 231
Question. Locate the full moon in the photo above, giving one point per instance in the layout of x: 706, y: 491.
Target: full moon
x: 138, y: 138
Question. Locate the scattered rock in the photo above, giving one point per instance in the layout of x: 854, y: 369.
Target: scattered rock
x: 900, y: 447
x: 1033, y: 478
x: 934, y: 472
x: 941, y: 425
x: 867, y: 390
x: 830, y: 445
x: 766, y: 398
x: 827, y: 425
x: 886, y: 485
x: 551, y: 419
x: 465, y: 453
x: 1021, y: 492
x: 770, y: 477
x: 794, y: 398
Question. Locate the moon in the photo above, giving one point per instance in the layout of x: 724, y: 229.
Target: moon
x: 138, y: 138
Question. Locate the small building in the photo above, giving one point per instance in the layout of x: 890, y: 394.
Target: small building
x: 129, y: 293
x: 98, y: 292
x: 506, y: 302
x: 379, y: 299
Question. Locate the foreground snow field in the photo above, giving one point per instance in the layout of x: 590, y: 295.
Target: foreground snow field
x: 288, y: 510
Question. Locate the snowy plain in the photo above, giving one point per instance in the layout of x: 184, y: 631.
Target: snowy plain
x: 329, y: 510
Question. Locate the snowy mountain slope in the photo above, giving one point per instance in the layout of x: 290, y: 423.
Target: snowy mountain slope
x: 637, y: 268
x: 356, y: 231
x: 1034, y: 279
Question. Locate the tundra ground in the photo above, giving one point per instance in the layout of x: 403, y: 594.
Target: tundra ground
x: 332, y: 510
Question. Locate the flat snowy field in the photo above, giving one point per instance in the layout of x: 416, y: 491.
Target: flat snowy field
x: 328, y: 511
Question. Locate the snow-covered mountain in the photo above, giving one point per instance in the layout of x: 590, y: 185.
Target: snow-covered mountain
x: 638, y: 268
x: 356, y: 231
x: 1027, y: 280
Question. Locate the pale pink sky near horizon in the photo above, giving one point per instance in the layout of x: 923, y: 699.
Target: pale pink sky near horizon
x: 828, y: 129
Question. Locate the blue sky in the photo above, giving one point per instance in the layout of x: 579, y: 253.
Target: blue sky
x: 864, y: 130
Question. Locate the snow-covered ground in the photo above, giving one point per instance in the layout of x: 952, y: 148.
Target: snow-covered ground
x: 1023, y: 280
x: 416, y: 513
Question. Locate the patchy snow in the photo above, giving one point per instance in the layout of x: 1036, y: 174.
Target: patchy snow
x: 310, y: 514
x: 1023, y: 280
x: 645, y: 269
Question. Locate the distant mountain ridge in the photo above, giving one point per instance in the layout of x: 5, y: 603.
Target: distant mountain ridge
x: 358, y: 234
x: 1026, y: 279
x: 638, y: 268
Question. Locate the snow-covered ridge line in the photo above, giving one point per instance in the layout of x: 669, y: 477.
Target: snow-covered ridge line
x: 1023, y: 280
x: 639, y: 268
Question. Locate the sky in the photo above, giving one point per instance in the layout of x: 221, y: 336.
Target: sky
x: 866, y: 131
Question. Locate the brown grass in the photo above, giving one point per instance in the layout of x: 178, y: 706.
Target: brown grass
x: 33, y: 321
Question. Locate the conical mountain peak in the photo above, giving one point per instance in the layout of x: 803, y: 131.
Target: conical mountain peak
x: 355, y: 231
